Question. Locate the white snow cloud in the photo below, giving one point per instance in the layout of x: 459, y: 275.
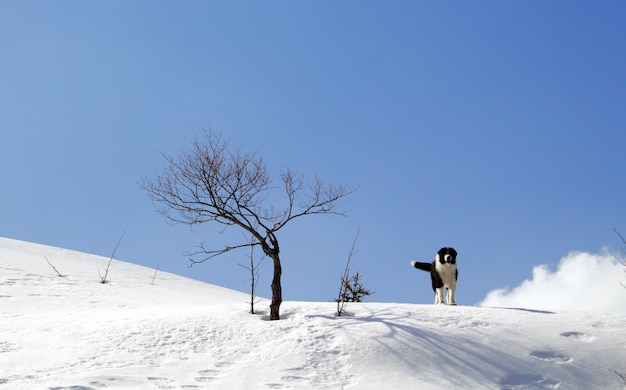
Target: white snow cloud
x: 582, y: 281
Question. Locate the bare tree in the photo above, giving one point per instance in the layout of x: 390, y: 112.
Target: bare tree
x: 213, y: 183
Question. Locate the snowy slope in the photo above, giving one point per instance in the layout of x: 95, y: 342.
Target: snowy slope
x: 74, y: 332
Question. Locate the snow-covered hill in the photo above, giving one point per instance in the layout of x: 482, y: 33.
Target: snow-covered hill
x: 73, y: 332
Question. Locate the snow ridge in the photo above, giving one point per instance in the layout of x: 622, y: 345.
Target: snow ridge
x: 73, y: 332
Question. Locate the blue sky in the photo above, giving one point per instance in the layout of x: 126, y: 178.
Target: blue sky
x: 497, y: 128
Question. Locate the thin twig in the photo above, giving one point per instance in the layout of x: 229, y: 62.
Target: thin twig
x: 155, y: 273
x: 104, y: 278
x: 254, y: 275
x: 619, y: 259
x: 622, y: 377
x: 53, y: 267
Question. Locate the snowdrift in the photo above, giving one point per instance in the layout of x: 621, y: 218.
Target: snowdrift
x: 141, y: 331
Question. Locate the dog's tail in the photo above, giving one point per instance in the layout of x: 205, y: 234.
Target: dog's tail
x: 423, y: 266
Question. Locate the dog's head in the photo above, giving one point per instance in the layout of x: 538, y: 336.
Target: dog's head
x: 446, y: 256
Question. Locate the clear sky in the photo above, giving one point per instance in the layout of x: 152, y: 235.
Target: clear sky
x: 498, y: 128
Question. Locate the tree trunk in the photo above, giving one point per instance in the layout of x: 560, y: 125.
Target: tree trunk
x: 277, y: 291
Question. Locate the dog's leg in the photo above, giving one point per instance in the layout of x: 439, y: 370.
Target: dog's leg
x: 451, y: 292
x: 439, y: 296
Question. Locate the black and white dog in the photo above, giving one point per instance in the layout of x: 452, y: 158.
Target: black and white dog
x: 443, y: 274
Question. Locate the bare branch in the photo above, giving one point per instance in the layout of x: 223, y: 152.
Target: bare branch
x: 320, y: 198
x: 209, y: 254
x: 621, y: 236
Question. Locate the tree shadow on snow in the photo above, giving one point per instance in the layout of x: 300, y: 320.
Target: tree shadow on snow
x: 521, y: 309
x: 413, y: 342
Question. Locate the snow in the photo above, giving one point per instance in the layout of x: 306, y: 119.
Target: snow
x: 73, y: 332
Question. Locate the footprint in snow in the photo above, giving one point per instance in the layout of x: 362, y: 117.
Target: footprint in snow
x: 474, y: 324
x: 274, y: 385
x: 6, y: 346
x: 160, y: 381
x: 528, y: 381
x: 586, y: 337
x: 208, y: 375
x: 549, y: 356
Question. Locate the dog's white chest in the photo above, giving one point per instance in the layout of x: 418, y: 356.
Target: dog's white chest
x: 447, y: 273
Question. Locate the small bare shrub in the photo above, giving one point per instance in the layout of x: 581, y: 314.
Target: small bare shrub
x: 351, y: 287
